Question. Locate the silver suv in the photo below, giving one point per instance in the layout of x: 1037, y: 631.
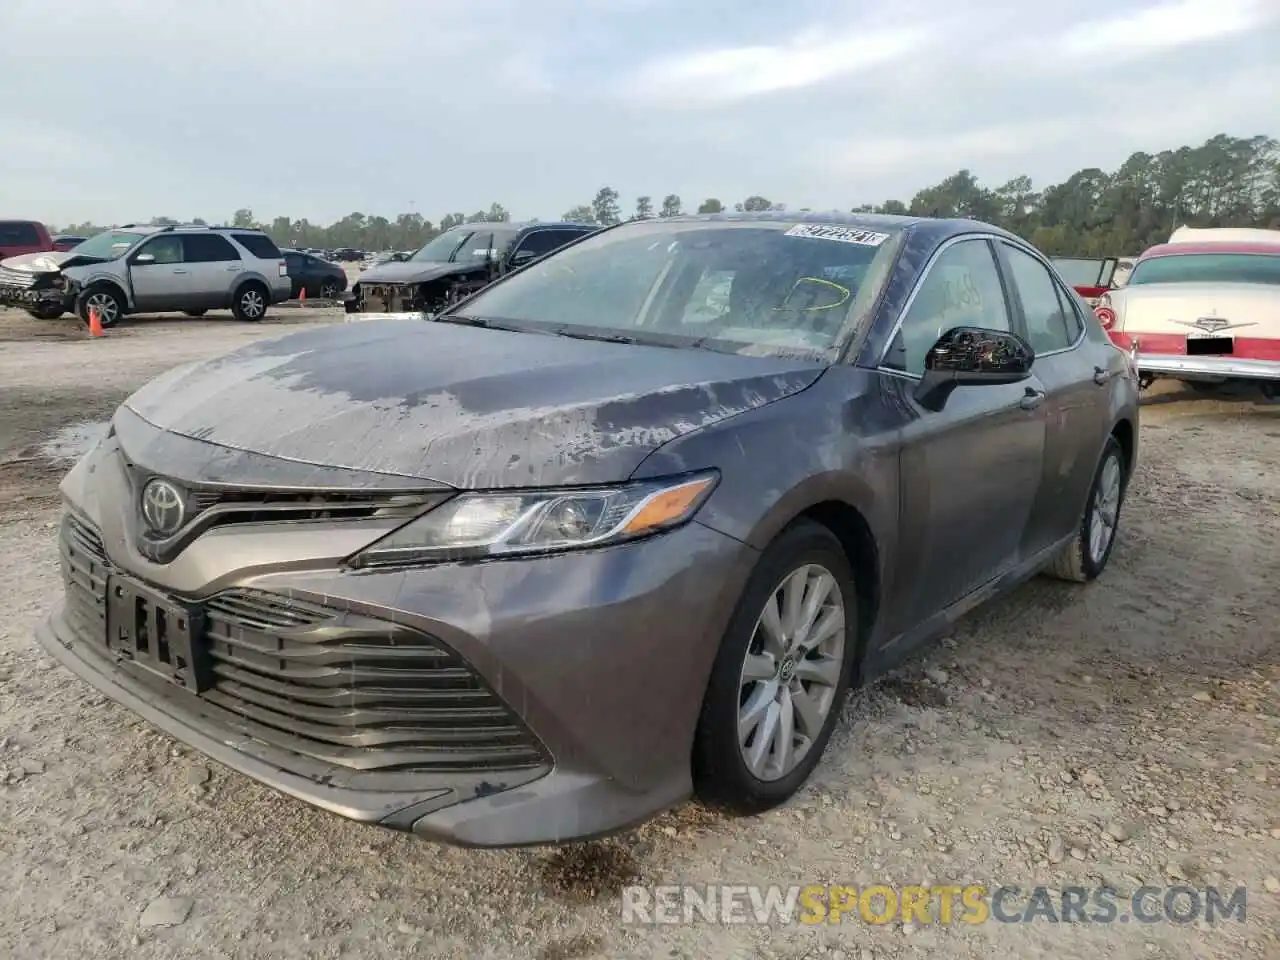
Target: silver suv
x: 144, y: 269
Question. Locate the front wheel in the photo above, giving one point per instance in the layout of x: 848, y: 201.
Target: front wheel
x: 251, y: 302
x: 329, y: 290
x: 780, y: 676
x: 105, y: 300
x: 1086, y: 556
x: 196, y: 314
x: 47, y: 311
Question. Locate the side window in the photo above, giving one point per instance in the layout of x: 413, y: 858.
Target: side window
x: 294, y: 262
x: 208, y: 248
x: 542, y: 242
x: 166, y: 249
x: 1048, y: 328
x: 1073, y: 309
x: 258, y: 244
x: 962, y: 289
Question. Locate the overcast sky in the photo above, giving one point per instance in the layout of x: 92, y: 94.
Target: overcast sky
x: 113, y: 110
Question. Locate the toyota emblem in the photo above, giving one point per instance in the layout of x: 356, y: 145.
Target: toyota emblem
x: 163, y: 507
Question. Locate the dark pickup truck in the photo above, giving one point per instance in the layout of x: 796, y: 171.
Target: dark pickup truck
x: 456, y: 264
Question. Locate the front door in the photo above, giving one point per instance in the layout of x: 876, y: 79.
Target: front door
x: 970, y: 472
x: 159, y: 283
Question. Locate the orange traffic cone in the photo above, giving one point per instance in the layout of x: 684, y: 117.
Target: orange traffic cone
x: 95, y: 323
x: 302, y: 295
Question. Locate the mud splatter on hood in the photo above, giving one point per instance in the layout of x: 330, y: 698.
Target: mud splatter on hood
x: 467, y: 407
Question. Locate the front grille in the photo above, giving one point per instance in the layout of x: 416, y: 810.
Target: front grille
x: 22, y: 279
x: 256, y: 506
x: 325, y: 683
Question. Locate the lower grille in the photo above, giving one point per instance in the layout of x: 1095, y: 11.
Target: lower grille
x: 390, y: 298
x: 324, y: 683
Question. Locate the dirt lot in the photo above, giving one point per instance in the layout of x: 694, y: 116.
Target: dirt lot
x: 1121, y: 734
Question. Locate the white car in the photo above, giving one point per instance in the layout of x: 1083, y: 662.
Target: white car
x: 1204, y: 308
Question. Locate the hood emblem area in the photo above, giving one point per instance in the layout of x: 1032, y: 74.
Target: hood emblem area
x: 164, y: 507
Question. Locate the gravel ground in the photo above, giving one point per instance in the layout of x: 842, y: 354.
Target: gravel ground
x: 1122, y: 734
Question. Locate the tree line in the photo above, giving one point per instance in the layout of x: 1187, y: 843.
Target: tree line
x: 1226, y: 181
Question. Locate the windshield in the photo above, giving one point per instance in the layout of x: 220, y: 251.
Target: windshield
x: 1077, y: 272
x: 109, y: 245
x: 759, y: 288
x: 1209, y: 268
x: 462, y: 246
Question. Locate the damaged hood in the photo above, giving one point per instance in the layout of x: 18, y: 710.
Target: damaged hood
x: 48, y: 262
x: 466, y: 407
x: 410, y: 272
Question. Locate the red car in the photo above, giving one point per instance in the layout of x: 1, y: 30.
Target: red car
x: 23, y: 236
x: 1090, y: 277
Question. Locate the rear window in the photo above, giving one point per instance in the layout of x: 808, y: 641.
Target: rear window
x: 1208, y: 268
x: 19, y: 233
x: 260, y: 245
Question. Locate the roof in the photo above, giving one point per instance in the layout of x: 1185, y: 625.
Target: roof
x: 1217, y: 246
x: 519, y: 226
x: 936, y: 227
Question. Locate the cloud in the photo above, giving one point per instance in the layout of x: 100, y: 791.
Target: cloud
x: 379, y: 105
x: 1156, y: 29
x: 728, y: 74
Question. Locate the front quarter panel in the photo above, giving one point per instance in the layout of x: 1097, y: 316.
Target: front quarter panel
x: 836, y: 441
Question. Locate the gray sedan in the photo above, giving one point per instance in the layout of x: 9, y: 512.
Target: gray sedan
x: 620, y: 529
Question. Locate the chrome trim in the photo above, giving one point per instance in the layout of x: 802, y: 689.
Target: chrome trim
x: 1237, y: 367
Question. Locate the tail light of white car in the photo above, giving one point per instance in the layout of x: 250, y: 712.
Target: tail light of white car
x: 1105, y: 313
x: 284, y: 268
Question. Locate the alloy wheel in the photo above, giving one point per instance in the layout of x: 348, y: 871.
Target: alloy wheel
x: 252, y: 304
x: 791, y: 672
x: 1106, y: 509
x: 106, y: 306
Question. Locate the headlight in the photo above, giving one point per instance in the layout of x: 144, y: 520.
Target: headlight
x: 519, y: 522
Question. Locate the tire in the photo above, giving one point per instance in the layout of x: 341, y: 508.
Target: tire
x: 1270, y: 390
x: 722, y: 773
x: 1208, y: 388
x: 1081, y: 561
x: 108, y: 300
x: 251, y: 302
x: 47, y: 312
x: 195, y: 313
x: 329, y: 290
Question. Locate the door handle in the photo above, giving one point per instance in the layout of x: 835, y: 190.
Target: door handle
x: 233, y: 268
x: 1031, y: 399
x: 1101, y: 377
x: 180, y: 271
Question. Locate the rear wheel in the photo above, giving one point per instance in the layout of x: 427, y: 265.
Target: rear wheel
x: 1086, y: 556
x: 329, y: 290
x: 780, y: 676
x: 250, y: 303
x: 1270, y: 390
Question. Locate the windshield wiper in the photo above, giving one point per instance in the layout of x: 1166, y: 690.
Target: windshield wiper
x: 484, y: 323
x: 577, y: 333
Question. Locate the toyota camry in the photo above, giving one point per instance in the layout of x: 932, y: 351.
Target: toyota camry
x: 620, y: 529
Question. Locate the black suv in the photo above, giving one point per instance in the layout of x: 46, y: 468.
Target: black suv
x: 457, y: 263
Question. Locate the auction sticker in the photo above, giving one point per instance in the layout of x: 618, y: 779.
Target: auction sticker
x: 829, y: 231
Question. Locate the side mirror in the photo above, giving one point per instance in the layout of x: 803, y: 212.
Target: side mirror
x: 142, y: 259
x: 972, y: 356
x: 521, y: 257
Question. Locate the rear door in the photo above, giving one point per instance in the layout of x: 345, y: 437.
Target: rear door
x: 1076, y: 395
x: 213, y: 265
x: 970, y: 472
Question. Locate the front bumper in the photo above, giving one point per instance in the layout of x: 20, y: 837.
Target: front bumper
x: 28, y: 299
x: 601, y: 657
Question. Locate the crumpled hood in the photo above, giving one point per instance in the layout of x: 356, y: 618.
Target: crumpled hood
x: 48, y: 262
x: 407, y: 272
x: 462, y: 406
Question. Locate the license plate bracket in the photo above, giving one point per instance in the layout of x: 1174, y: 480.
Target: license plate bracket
x: 156, y: 633
x: 1210, y: 346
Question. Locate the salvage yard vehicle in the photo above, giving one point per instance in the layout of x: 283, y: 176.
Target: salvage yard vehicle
x: 18, y: 237
x: 455, y: 264
x: 545, y: 564
x: 318, y: 277
x: 1203, y: 310
x: 137, y: 269
x: 1091, y: 278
